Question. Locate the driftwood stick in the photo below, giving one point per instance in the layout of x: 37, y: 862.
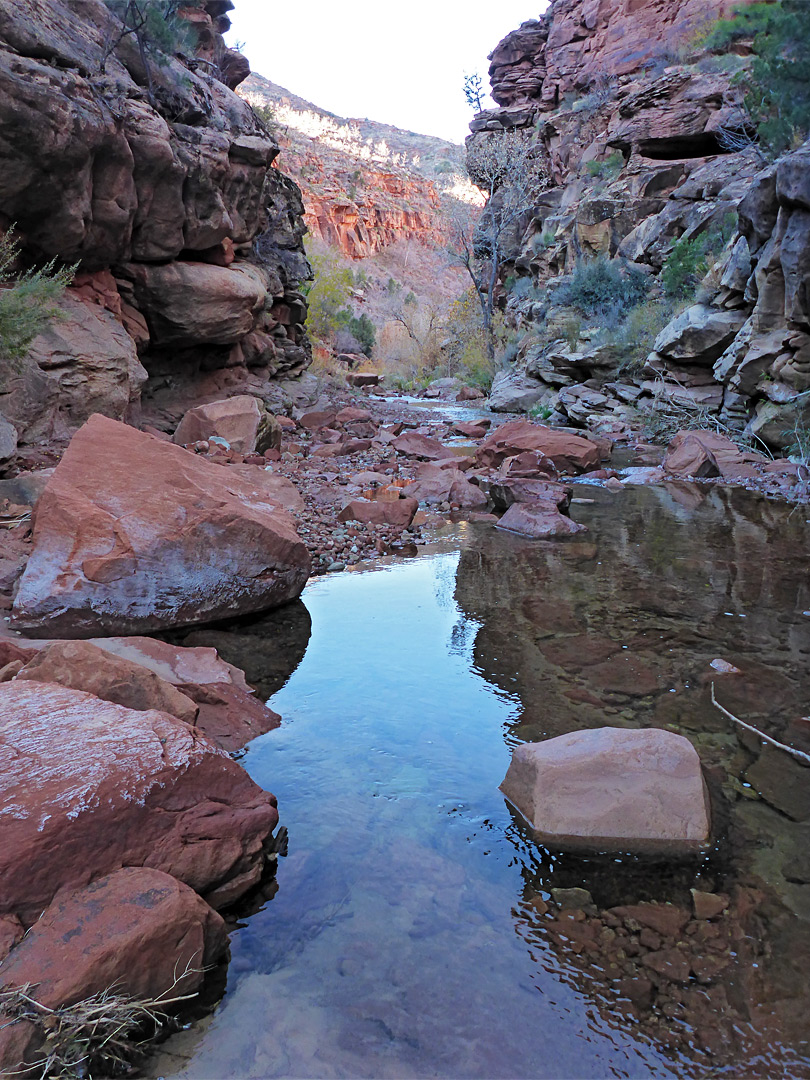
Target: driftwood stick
x: 761, y: 734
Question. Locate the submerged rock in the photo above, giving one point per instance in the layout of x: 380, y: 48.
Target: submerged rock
x: 87, y: 787
x: 612, y: 789
x: 134, y: 534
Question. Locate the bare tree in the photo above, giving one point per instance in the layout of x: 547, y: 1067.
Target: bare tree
x: 510, y: 169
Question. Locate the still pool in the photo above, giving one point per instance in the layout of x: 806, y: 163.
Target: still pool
x: 413, y: 933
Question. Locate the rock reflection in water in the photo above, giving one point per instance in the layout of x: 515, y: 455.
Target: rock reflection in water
x: 623, y: 631
x: 415, y: 931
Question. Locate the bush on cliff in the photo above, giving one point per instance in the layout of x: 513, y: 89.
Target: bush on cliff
x: 27, y: 301
x: 602, y: 283
x: 777, y: 81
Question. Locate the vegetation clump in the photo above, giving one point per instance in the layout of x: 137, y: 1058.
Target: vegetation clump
x: 777, y: 78
x: 600, y: 284
x: 28, y: 301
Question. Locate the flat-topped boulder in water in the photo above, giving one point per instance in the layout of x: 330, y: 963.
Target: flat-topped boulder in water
x: 611, y: 789
x: 134, y: 534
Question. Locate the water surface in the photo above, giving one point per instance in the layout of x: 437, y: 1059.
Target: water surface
x: 413, y: 933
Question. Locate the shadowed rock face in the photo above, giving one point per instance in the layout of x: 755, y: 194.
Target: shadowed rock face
x: 88, y: 786
x: 155, y: 538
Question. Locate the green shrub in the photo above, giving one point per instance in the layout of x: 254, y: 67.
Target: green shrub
x: 685, y: 266
x: 777, y: 80
x: 602, y: 283
x: 607, y: 169
x: 633, y: 338
x: 27, y: 301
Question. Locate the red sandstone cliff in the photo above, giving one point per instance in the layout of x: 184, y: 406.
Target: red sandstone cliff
x: 157, y: 181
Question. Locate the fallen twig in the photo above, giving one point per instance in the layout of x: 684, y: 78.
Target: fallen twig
x: 761, y: 734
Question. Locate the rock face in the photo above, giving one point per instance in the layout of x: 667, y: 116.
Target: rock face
x: 612, y: 789
x: 365, y: 185
x: 634, y: 126
x: 87, y: 787
x: 136, y: 929
x: 158, y: 183
x: 158, y: 538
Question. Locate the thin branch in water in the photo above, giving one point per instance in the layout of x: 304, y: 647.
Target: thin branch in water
x: 799, y: 754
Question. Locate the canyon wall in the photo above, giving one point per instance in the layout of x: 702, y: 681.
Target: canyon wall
x: 365, y: 184
x: 647, y: 144
x: 151, y: 175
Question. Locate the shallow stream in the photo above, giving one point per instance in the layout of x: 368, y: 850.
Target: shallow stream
x: 413, y: 932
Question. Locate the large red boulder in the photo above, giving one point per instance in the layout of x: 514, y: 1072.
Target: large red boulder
x: 538, y: 520
x: 136, y: 930
x: 134, y: 534
x: 612, y: 789
x: 569, y: 453
x: 399, y: 513
x: 707, y: 453
x: 87, y: 786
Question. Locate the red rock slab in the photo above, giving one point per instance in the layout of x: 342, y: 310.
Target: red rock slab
x: 87, y: 787
x: 133, y: 534
x: 538, y: 520
x: 269, y: 487
x: 467, y: 496
x: 138, y: 930
x: 351, y: 415
x: 612, y: 789
x: 474, y: 429
x: 505, y: 492
x: 569, y: 453
x: 413, y: 444
x: 531, y: 464
x: 230, y: 714
x: 322, y: 418
x: 80, y: 665
x: 691, y: 459
x: 732, y: 462
x: 398, y: 513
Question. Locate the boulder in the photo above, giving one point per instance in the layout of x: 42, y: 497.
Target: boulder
x: 157, y: 538
x: 363, y: 378
x: 691, y: 459
x: 412, y: 444
x: 195, y: 303
x: 380, y: 512
x: 538, y: 520
x: 87, y: 786
x: 137, y: 930
x: 81, y: 665
x: 697, y: 449
x: 241, y: 421
x: 569, y: 453
x: 474, y: 429
x: 512, y: 391
x: 504, y: 492
x: 700, y: 334
x: 612, y: 789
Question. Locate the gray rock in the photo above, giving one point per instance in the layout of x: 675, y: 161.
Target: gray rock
x: 8, y: 440
x: 512, y: 391
x: 700, y: 334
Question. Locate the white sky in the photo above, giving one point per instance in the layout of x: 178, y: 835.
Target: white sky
x: 399, y: 63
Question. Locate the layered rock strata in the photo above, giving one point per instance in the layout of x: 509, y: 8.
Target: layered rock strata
x: 157, y: 180
x: 647, y: 144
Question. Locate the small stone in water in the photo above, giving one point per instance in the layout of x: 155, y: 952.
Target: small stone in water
x: 723, y: 667
x: 336, y: 566
x: 570, y: 899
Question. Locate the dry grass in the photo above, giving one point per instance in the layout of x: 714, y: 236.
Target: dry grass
x: 100, y: 1036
